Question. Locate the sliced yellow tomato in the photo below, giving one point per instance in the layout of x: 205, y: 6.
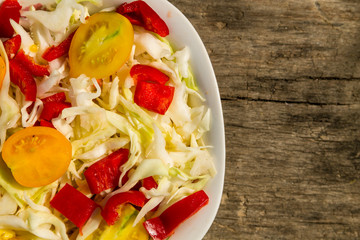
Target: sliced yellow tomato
x: 2, y: 70
x: 37, y: 156
x: 101, y: 46
x: 7, y: 234
x: 123, y: 229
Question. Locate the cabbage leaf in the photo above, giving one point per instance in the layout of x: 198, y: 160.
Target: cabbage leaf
x: 9, y: 108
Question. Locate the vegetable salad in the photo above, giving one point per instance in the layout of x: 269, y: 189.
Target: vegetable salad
x: 101, y: 123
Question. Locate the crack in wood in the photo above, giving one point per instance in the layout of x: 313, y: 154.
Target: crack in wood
x: 307, y: 77
x: 248, y: 99
x: 289, y: 78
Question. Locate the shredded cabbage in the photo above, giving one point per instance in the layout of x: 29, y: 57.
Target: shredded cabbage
x: 139, y: 118
x: 124, y: 126
x: 91, y: 225
x: 26, y: 41
x: 7, y: 204
x: 157, y: 148
x: 29, y: 120
x: 182, y: 59
x: 17, y: 192
x: 179, y: 111
x: 155, y: 196
x: 58, y: 20
x: 107, y: 147
x: 148, y: 43
x: 48, y: 83
x: 102, y: 119
x: 46, y: 3
x: 147, y: 168
x: 10, y: 110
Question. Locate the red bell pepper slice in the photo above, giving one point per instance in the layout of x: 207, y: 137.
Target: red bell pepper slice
x: 57, y: 97
x: 45, y: 123
x: 154, y: 96
x: 126, y: 178
x: 29, y: 63
x: 60, y: 50
x: 53, y: 109
x: 105, y: 173
x: 110, y: 213
x: 140, y: 13
x: 22, y: 78
x: 140, y: 72
x: 9, y: 9
x: 53, y: 106
x: 163, y: 226
x: 74, y: 205
x: 12, y: 46
x: 149, y: 183
x: 22, y: 70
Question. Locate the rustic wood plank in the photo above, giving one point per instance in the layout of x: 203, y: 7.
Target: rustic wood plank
x: 289, y: 77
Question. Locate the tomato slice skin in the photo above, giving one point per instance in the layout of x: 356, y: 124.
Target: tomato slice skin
x: 37, y: 156
x: 2, y: 71
x: 101, y: 46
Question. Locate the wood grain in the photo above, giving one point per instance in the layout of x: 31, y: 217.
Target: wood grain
x: 289, y: 78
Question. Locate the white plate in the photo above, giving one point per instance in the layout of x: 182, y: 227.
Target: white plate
x: 182, y: 33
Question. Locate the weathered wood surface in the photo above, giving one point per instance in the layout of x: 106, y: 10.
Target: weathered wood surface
x: 289, y: 78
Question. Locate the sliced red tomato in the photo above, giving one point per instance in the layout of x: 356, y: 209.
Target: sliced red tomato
x: 101, y: 46
x: 37, y: 156
x: 9, y: 9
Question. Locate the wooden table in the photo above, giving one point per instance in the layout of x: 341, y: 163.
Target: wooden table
x: 289, y: 79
